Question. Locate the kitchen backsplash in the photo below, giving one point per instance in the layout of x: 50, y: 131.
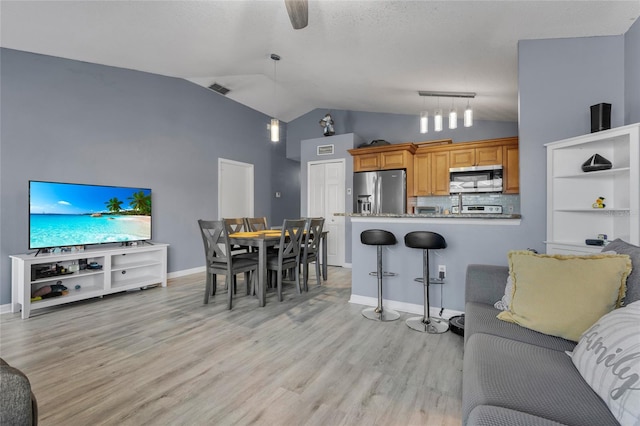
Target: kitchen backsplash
x: 510, y: 202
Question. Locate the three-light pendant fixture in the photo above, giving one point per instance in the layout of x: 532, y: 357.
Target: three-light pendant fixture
x: 453, y: 113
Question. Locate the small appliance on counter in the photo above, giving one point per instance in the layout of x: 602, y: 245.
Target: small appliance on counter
x: 427, y: 209
x: 481, y: 209
x: 364, y: 204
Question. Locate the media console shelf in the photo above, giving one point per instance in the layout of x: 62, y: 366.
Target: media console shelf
x: 122, y: 268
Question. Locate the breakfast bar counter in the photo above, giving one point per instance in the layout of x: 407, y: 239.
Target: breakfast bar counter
x: 471, y: 239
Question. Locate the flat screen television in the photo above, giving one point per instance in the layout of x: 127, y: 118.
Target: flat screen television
x: 70, y: 214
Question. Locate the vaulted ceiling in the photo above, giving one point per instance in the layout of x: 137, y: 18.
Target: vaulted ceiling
x: 355, y: 55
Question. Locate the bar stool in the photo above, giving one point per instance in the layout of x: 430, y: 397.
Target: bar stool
x: 379, y: 238
x: 426, y: 241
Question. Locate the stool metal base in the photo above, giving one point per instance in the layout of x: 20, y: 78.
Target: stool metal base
x: 431, y: 326
x: 377, y: 315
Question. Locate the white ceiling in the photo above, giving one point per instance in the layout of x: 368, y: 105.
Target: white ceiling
x: 354, y: 55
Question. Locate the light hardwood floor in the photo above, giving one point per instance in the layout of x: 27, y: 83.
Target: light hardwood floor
x: 162, y: 357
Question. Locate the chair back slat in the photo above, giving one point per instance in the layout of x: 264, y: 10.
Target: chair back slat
x: 214, y: 238
x: 313, y: 234
x: 291, y: 238
x: 233, y: 225
x: 253, y: 224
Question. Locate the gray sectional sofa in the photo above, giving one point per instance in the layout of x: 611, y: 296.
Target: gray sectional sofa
x: 516, y: 376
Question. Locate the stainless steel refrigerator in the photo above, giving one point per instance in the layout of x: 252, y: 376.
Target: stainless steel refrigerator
x: 386, y: 191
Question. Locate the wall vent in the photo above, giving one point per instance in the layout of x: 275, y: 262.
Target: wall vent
x: 218, y: 88
x: 325, y: 149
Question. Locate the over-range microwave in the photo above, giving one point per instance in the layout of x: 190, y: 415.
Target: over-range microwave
x: 475, y: 179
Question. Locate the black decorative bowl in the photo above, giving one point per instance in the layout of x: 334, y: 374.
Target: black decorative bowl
x: 596, y: 162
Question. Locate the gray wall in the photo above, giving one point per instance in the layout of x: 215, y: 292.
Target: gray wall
x: 558, y: 80
x: 394, y: 128
x: 72, y: 121
x: 632, y: 74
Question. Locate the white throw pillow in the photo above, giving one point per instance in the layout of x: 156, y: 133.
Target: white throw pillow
x: 608, y: 358
x: 504, y: 304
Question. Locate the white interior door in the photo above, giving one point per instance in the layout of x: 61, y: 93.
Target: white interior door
x: 235, y: 189
x: 325, y: 196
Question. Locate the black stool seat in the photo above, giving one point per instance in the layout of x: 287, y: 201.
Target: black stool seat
x: 377, y: 237
x: 424, y: 240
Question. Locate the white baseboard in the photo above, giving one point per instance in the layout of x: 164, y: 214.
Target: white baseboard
x: 5, y: 309
x: 346, y: 265
x: 184, y: 272
x: 410, y: 308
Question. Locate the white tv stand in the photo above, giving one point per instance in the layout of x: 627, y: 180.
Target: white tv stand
x: 123, y: 268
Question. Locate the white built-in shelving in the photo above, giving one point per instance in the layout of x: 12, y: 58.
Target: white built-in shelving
x: 571, y: 219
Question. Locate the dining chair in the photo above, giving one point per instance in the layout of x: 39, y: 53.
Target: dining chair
x: 253, y: 224
x: 309, y: 249
x: 233, y: 225
x: 220, y: 260
x: 288, y: 254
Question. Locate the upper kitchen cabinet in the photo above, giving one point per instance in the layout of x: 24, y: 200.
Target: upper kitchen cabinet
x: 486, y: 153
x: 383, y: 157
x: 432, y: 163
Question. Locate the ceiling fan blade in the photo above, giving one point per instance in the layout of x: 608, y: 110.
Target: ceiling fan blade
x: 298, y: 13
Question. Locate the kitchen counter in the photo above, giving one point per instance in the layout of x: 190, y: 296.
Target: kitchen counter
x: 433, y: 216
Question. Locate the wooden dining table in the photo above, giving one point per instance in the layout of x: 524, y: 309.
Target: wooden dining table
x: 262, y: 240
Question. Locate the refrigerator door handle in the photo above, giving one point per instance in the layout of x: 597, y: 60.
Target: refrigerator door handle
x: 379, y: 194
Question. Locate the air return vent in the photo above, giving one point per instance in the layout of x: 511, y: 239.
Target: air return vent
x: 218, y: 88
x: 325, y: 149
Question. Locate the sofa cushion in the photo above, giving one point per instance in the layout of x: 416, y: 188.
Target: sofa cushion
x: 633, y: 281
x: 524, y: 377
x: 488, y: 415
x: 608, y: 357
x: 563, y: 295
x: 481, y: 318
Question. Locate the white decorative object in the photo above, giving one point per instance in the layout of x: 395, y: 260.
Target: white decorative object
x: 608, y: 357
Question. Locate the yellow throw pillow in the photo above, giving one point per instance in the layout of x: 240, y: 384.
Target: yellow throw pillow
x: 564, y: 295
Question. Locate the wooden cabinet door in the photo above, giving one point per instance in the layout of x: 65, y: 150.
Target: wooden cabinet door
x: 488, y: 156
x: 511, y: 170
x: 366, y: 162
x: 440, y: 173
x: 422, y: 174
x: 462, y: 157
x: 393, y: 160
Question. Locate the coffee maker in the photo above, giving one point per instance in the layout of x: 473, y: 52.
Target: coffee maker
x: 364, y: 204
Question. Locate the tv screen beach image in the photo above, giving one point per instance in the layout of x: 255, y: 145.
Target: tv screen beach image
x: 63, y: 214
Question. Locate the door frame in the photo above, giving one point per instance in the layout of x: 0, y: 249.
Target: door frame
x: 343, y: 191
x: 248, y: 168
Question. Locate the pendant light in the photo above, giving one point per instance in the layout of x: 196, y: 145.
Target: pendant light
x: 468, y: 116
x: 424, y: 119
x: 275, y: 123
x: 437, y: 118
x: 424, y: 122
x: 453, y: 116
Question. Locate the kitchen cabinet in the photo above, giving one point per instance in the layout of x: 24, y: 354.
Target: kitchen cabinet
x: 510, y: 169
x: 571, y: 192
x: 476, y: 156
x: 383, y: 157
x: 431, y: 173
x: 432, y: 163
